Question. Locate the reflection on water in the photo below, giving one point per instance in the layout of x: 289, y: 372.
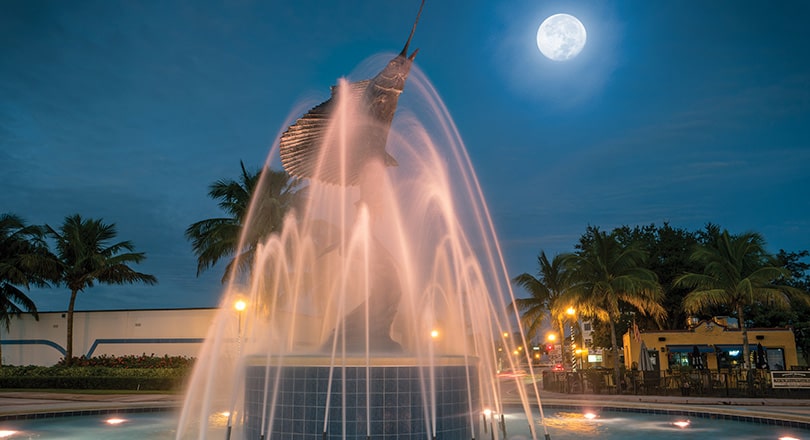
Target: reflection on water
x: 562, y: 425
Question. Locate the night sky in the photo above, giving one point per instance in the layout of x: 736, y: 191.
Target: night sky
x: 684, y: 112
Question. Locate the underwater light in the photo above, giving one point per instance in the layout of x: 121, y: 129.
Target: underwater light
x: 682, y: 423
x: 7, y: 433
x: 114, y: 421
x: 590, y: 415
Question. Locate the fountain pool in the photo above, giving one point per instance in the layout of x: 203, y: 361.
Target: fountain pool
x: 563, y: 424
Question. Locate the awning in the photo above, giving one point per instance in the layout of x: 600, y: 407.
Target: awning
x: 689, y: 348
x: 739, y: 347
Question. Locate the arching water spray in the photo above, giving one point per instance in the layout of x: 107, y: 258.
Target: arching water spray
x: 394, y: 241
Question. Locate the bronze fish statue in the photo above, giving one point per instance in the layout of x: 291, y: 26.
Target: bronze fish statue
x: 303, y: 147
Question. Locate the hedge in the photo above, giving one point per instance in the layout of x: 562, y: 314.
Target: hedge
x: 93, y: 378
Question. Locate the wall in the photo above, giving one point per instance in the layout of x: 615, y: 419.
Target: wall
x: 175, y: 332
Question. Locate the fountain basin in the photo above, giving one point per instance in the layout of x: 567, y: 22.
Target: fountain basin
x: 381, y: 398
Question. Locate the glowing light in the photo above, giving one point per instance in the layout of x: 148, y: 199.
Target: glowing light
x: 590, y: 415
x: 240, y: 305
x: 788, y: 438
x: 7, y: 433
x: 682, y: 423
x: 487, y: 412
x: 434, y: 334
x: 551, y: 337
x: 571, y: 311
x: 516, y: 352
x: 505, y: 334
x: 114, y: 421
x: 225, y: 414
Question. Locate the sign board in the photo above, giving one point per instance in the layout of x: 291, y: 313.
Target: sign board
x: 790, y: 379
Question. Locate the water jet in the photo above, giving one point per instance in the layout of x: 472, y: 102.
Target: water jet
x: 378, y: 310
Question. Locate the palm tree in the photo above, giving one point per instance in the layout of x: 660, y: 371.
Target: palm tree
x: 546, y: 293
x: 86, y: 258
x: 217, y: 238
x: 24, y: 261
x: 608, y: 276
x: 737, y: 272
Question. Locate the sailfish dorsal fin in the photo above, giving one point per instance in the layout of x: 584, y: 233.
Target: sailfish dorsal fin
x: 304, y: 147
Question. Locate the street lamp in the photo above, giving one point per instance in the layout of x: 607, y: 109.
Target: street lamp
x: 240, y: 306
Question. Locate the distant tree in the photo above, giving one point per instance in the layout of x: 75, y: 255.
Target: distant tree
x: 546, y: 292
x: 668, y: 250
x: 217, y: 238
x: 738, y: 273
x: 86, y: 257
x: 799, y: 268
x: 607, y: 274
x: 24, y: 262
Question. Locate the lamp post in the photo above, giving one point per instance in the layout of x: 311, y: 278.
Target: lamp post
x: 239, y: 306
x: 552, y: 339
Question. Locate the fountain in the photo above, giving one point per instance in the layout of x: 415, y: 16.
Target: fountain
x: 378, y: 311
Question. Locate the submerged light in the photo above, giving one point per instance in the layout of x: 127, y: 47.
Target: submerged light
x: 114, y: 421
x: 682, y: 423
x: 7, y: 433
x: 590, y: 415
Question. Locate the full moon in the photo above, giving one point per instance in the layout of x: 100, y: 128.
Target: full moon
x: 561, y: 37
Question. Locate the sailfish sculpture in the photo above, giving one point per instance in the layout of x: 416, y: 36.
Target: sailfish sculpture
x: 303, y: 147
x: 308, y: 151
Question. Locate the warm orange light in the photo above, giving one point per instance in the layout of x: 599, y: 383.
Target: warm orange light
x: 551, y: 337
x: 537, y: 356
x: 590, y: 415
x: 434, y: 334
x: 571, y: 311
x: 505, y: 334
x: 240, y: 305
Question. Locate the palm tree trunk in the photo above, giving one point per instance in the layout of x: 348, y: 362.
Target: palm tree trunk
x: 617, y: 375
x: 562, y: 341
x: 746, y: 352
x: 69, y: 345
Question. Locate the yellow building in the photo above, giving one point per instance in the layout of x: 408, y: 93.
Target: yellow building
x: 712, y: 344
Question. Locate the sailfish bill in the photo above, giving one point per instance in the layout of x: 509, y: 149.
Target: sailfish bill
x: 305, y: 149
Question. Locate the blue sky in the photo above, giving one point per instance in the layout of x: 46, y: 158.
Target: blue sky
x: 687, y: 112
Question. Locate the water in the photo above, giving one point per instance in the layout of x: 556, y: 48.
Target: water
x: 563, y: 425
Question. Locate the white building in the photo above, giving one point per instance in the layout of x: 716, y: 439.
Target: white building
x: 172, y: 332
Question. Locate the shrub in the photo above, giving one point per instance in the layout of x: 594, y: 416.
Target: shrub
x: 103, y: 372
